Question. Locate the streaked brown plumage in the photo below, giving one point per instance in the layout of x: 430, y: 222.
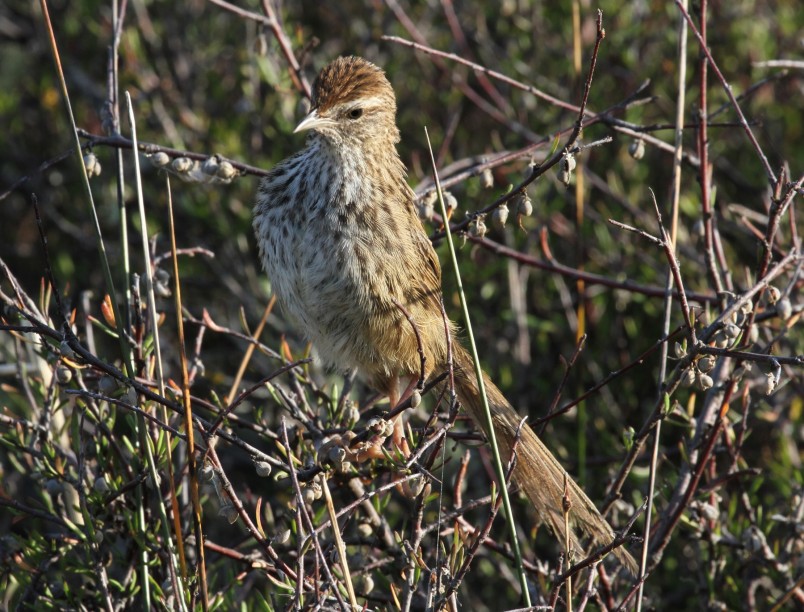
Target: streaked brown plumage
x: 340, y: 238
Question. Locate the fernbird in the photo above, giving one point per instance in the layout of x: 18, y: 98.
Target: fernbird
x: 350, y: 263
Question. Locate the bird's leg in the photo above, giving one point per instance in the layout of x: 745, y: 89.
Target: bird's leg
x: 410, y: 488
x: 399, y: 438
x: 369, y: 444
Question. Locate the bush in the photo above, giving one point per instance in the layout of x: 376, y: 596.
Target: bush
x: 569, y: 306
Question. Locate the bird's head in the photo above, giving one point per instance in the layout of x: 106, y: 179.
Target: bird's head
x: 352, y: 100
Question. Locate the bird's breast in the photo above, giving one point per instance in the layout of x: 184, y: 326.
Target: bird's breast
x: 326, y: 245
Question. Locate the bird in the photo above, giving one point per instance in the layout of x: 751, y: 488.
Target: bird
x: 340, y: 238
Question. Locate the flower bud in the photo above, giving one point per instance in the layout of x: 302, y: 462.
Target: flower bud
x: 337, y: 455
x: 704, y: 381
x: 705, y: 364
x: 210, y: 166
x: 100, y: 485
x: 500, y: 216
x: 53, y: 486
x: 364, y: 583
x: 707, y: 511
x: 208, y: 472
x: 263, y: 468
x: 415, y: 485
x: 450, y: 202
x: 226, y: 171
x: 161, y: 280
x: 767, y: 385
x: 477, y: 228
x: 784, y: 308
x: 92, y: 165
x: 773, y: 294
x: 426, y: 212
x: 64, y: 375
x: 487, y: 178
x: 637, y: 149
x: 364, y: 529
x: 155, y: 482
x: 753, y: 539
x: 160, y: 159
x: 308, y: 495
x: 731, y: 331
x: 427, y: 206
x: 182, y: 165
x: 282, y: 536
x: 628, y: 438
x: 380, y: 427
x: 524, y: 207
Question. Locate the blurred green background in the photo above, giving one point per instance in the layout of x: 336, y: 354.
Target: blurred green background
x: 205, y: 80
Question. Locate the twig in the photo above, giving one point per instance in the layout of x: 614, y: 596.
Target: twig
x: 671, y: 384
x: 27, y: 510
x: 705, y: 169
x: 681, y: 4
x: 793, y: 360
x: 241, y: 511
x: 557, y: 396
x: 490, y: 109
x: 296, y: 73
x: 670, y: 519
x: 419, y: 346
x: 130, y: 407
x: 247, y: 392
x: 149, y: 148
x: 241, y: 370
x: 778, y: 208
x: 308, y: 522
x: 268, y: 22
x: 608, y: 378
x: 668, y: 244
x: 483, y: 70
x: 588, y: 277
x: 781, y: 63
x: 482, y: 535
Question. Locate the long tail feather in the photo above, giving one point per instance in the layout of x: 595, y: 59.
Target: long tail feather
x: 537, y: 471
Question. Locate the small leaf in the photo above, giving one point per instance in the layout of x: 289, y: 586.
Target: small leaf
x: 107, y: 310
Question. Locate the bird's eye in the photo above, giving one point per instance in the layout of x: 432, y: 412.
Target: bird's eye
x: 355, y: 113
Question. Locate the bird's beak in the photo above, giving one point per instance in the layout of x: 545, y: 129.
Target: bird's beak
x: 313, y: 121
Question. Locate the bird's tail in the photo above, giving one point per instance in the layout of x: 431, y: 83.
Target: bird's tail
x: 537, y: 471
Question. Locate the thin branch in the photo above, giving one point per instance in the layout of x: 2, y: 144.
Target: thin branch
x: 729, y: 92
x: 589, y: 278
